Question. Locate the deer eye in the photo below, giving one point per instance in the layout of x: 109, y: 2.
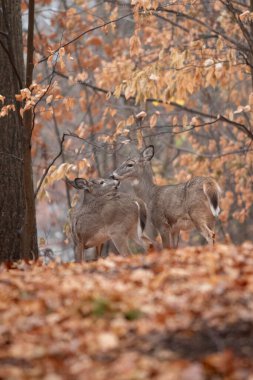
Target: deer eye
x: 130, y: 165
x: 102, y: 182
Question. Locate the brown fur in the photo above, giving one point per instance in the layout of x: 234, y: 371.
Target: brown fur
x: 106, y: 214
x: 174, y: 207
x: 212, y: 191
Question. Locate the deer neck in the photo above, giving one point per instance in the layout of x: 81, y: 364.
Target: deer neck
x: 88, y: 198
x: 144, y: 186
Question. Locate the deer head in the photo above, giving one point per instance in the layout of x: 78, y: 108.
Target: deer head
x: 98, y: 186
x: 134, y: 167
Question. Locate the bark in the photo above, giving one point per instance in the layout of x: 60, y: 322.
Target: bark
x: 13, y: 202
x: 251, y: 37
x: 30, y: 247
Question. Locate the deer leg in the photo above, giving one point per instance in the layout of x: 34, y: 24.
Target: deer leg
x: 106, y: 249
x: 79, y: 252
x: 207, y: 233
x: 165, y: 233
x: 150, y: 235
x: 151, y: 243
x: 121, y: 245
x: 140, y: 243
x: 175, y: 238
x: 139, y: 240
x: 98, y: 251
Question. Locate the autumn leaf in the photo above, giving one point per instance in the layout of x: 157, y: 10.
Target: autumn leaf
x: 153, y: 121
x: 49, y: 99
x: 6, y: 109
x: 130, y: 120
x: 108, y: 311
x: 139, y: 139
x: 135, y: 45
x: 141, y: 115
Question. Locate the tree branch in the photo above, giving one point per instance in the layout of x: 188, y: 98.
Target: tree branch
x: 51, y: 164
x: 39, y: 100
x: 86, y: 32
x: 239, y: 126
x: 206, y: 155
x: 58, y: 155
x: 244, y: 31
x: 205, y: 25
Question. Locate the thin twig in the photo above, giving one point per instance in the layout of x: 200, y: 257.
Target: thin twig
x: 207, y: 155
x: 204, y: 24
x: 47, y: 90
x: 57, y: 132
x: 39, y: 100
x: 85, y: 32
x: 59, y: 154
x: 239, y: 126
x: 51, y: 164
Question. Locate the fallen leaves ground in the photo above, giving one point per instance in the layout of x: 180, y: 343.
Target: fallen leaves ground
x: 179, y: 315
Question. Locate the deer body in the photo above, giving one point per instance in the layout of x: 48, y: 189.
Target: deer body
x: 106, y: 214
x: 172, y: 208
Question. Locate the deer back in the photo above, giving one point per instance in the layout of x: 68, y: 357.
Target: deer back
x: 176, y: 206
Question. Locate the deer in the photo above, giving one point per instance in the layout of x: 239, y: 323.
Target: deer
x: 105, y: 214
x: 171, y: 208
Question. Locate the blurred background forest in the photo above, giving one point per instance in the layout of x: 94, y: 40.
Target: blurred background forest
x: 187, y: 65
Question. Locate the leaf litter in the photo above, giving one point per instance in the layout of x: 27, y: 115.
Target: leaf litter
x: 171, y: 315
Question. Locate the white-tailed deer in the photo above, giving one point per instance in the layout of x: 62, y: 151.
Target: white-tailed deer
x: 172, y: 208
x: 105, y: 214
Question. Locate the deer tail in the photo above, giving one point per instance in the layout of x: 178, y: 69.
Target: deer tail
x: 142, y: 214
x: 212, y: 191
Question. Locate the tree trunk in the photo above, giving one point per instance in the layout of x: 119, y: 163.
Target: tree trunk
x: 30, y: 247
x: 13, y: 199
x: 251, y: 37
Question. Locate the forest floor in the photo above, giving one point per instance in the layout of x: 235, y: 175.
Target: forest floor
x: 179, y: 315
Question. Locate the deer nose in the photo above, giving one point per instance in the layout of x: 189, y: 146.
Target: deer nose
x: 117, y: 183
x: 114, y: 175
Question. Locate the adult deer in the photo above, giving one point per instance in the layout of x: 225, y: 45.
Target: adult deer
x: 105, y: 214
x: 172, y: 208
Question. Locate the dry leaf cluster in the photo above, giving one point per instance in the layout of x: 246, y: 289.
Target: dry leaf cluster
x: 185, y: 314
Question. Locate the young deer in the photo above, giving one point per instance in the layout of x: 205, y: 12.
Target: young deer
x: 105, y: 214
x: 172, y: 208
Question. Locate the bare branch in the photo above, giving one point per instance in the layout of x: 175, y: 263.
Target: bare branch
x: 51, y: 76
x: 206, y: 155
x: 205, y: 25
x: 244, y: 30
x: 193, y: 111
x: 61, y: 142
x: 51, y: 164
x: 39, y: 100
x: 86, y: 32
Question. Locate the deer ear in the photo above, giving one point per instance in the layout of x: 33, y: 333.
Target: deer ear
x: 69, y: 182
x: 148, y: 153
x: 82, y: 184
